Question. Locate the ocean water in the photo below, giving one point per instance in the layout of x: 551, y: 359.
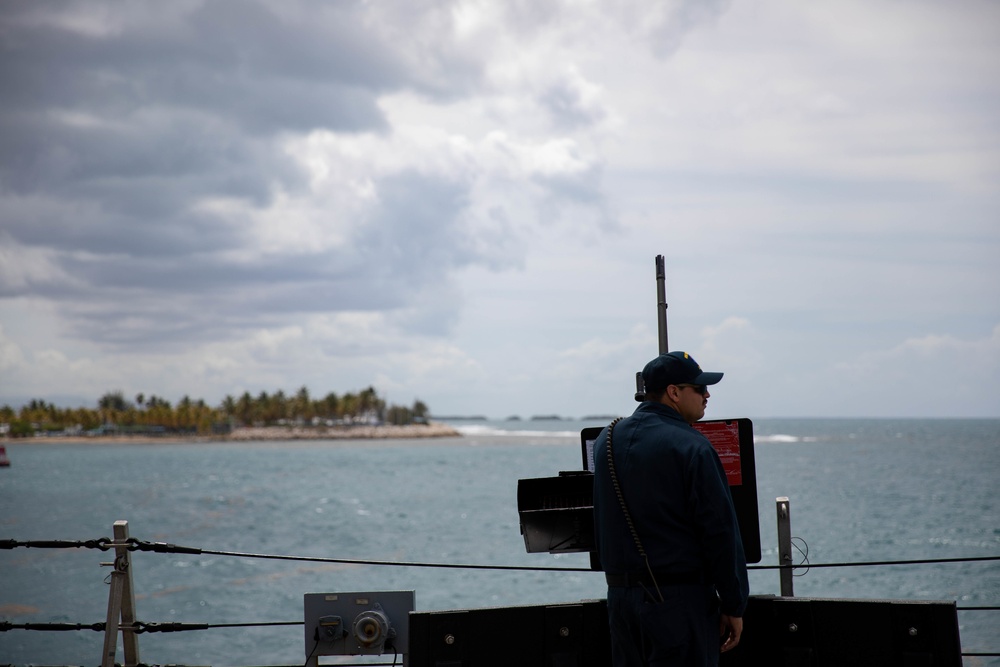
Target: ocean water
x: 860, y: 490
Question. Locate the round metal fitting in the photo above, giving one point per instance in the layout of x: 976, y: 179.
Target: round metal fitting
x: 371, y: 628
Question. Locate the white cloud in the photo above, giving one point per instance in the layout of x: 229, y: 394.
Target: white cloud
x: 932, y: 361
x: 10, y: 353
x: 28, y: 268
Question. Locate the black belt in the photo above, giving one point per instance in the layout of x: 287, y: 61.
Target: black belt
x: 643, y: 579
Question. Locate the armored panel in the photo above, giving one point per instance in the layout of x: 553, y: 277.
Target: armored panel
x: 785, y: 632
x: 815, y: 632
x: 558, y: 635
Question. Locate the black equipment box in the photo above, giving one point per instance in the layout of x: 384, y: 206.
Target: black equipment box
x: 557, y: 513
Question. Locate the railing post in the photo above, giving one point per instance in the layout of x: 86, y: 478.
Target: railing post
x: 121, y: 604
x: 784, y: 512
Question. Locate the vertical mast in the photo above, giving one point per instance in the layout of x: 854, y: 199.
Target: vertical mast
x: 661, y: 322
x: 661, y: 305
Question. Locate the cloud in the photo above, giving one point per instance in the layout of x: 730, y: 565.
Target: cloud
x: 10, y: 353
x: 190, y: 172
x: 924, y: 376
x: 936, y: 362
x: 457, y: 194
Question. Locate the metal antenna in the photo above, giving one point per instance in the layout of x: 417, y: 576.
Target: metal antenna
x: 661, y: 321
x: 661, y: 305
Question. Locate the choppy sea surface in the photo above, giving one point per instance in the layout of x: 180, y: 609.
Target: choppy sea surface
x: 860, y: 490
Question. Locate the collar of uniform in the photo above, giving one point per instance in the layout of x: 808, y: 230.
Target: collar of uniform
x: 660, y: 408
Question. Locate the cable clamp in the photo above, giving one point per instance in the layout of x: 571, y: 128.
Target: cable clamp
x: 160, y: 547
x: 102, y: 543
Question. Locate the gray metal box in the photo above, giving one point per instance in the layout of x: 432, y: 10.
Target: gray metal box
x: 362, y: 623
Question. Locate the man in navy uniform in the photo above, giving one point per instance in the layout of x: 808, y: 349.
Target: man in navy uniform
x: 676, y: 571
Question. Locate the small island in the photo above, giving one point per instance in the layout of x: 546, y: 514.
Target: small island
x: 277, y: 416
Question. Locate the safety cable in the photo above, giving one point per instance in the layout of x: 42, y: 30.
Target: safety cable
x: 353, y: 561
x: 134, y: 544
x: 924, y: 561
x: 103, y: 543
x: 920, y: 561
x: 139, y: 627
x: 6, y: 626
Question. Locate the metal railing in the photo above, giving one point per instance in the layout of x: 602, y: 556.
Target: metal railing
x: 121, y: 616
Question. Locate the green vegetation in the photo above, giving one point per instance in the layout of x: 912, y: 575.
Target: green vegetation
x: 155, y: 415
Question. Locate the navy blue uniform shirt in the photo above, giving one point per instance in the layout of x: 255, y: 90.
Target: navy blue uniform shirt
x: 676, y: 491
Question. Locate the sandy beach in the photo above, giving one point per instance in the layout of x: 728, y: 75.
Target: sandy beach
x: 260, y: 434
x: 432, y: 430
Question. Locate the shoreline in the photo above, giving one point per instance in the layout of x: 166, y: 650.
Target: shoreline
x: 432, y: 430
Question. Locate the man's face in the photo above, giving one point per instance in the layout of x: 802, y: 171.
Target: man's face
x: 692, y: 401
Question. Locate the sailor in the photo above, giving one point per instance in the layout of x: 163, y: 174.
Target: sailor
x: 666, y: 528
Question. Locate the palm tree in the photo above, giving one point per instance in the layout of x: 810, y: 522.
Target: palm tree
x: 262, y: 408
x: 113, y: 400
x: 279, y: 406
x: 349, y: 406
x: 302, y: 406
x: 370, y: 406
x: 228, y: 407
x: 184, y: 414
x: 329, y: 407
x: 245, y: 409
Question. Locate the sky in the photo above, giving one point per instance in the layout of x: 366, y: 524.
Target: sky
x: 461, y: 202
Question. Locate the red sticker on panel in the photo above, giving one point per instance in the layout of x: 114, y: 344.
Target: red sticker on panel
x: 725, y: 438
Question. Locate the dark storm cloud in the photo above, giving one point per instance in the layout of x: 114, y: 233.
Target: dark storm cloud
x: 396, y: 259
x: 116, y: 194
x: 235, y: 59
x: 120, y: 122
x: 135, y: 126
x: 194, y: 300
x: 107, y: 139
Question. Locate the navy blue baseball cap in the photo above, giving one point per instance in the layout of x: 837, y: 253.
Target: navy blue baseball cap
x: 675, y: 368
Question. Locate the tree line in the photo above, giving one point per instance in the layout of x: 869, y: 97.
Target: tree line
x: 154, y: 414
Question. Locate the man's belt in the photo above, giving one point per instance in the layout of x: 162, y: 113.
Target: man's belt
x: 662, y: 578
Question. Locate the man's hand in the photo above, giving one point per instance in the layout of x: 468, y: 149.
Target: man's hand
x: 730, y: 627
